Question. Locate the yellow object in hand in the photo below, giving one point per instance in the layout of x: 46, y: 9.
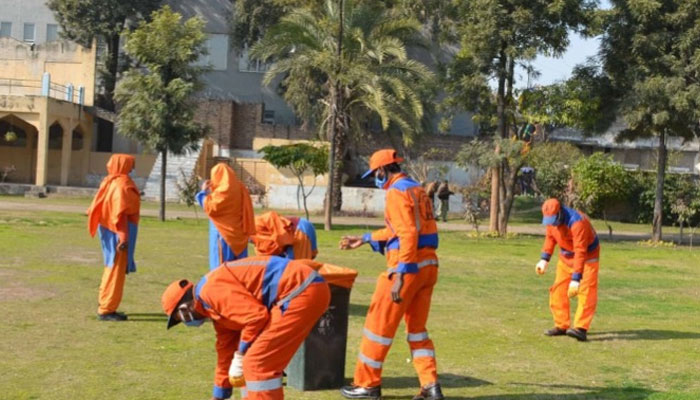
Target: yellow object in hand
x: 573, y: 289
x: 236, y: 381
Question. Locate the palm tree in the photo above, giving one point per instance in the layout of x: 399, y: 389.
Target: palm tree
x: 341, y: 85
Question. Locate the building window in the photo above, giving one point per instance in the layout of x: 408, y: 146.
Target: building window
x: 77, y: 141
x: 51, y: 32
x: 217, y: 52
x: 29, y: 32
x: 55, y: 137
x: 268, y: 117
x: 246, y: 64
x: 5, y: 29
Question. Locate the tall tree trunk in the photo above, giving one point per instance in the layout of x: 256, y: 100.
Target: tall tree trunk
x: 496, y: 171
x: 340, y: 148
x: 659, y: 200
x: 109, y: 76
x: 507, y: 173
x: 163, y: 164
x: 303, y: 194
x: 335, y: 88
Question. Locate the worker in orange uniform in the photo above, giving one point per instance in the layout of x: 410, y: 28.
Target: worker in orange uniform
x: 226, y: 201
x: 289, y: 237
x: 114, y: 213
x: 409, y: 241
x: 577, y: 269
x: 262, y: 309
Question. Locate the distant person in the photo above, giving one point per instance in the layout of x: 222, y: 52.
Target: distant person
x: 430, y: 190
x: 443, y: 194
x: 289, y: 237
x: 262, y: 309
x: 404, y: 290
x: 114, y: 213
x: 577, y: 269
x: 226, y: 201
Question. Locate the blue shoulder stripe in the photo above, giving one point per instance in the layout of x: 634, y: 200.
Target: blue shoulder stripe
x: 309, y: 230
x: 273, y: 272
x: 404, y: 184
x: 198, y: 290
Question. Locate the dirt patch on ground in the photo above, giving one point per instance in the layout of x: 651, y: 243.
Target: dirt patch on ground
x: 13, y: 289
x: 84, y: 258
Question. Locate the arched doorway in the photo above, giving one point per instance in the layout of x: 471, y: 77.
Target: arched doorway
x: 17, y: 158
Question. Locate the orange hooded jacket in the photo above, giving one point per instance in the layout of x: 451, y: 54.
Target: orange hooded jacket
x: 289, y: 237
x: 230, y: 210
x: 115, y: 209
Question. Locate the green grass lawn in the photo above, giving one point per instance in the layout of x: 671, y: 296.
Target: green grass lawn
x: 488, y: 314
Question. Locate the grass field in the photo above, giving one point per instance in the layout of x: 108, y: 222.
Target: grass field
x: 488, y: 314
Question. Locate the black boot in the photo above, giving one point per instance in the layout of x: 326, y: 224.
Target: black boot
x: 358, y: 392
x: 577, y: 333
x: 431, y: 391
x: 555, y: 332
x: 115, y: 316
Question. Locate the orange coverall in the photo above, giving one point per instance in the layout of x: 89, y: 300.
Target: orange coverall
x: 409, y: 241
x: 230, y: 211
x: 579, y: 254
x: 264, y: 306
x: 289, y: 237
x: 114, y: 213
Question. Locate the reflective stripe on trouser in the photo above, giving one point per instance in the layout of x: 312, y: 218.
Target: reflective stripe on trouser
x: 383, y: 319
x: 587, y: 296
x: 112, y: 285
x: 274, y: 347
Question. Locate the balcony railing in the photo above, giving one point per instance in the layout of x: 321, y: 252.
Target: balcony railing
x: 43, y: 87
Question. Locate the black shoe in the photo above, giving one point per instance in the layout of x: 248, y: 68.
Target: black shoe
x: 358, y: 392
x: 577, y: 333
x: 430, y: 392
x: 115, y: 316
x: 555, y: 332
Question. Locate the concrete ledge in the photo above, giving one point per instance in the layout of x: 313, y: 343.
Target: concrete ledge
x: 15, y: 189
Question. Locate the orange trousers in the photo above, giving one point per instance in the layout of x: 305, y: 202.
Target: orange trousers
x: 269, y: 355
x: 112, y: 285
x: 587, y: 296
x: 383, y: 320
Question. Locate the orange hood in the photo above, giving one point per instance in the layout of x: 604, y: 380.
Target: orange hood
x: 229, y: 207
x: 273, y: 234
x: 117, y: 196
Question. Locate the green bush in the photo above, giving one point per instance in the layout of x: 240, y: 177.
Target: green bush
x: 600, y: 183
x: 679, y: 191
x: 553, y: 162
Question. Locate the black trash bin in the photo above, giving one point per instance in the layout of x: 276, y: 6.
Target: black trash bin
x: 319, y: 363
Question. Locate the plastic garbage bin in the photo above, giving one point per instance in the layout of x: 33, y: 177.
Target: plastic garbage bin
x: 319, y: 363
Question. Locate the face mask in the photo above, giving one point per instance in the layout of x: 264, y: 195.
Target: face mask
x: 191, y: 322
x: 132, y: 174
x: 379, y: 182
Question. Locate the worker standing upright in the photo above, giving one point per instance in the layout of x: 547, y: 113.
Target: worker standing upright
x: 409, y: 241
x: 577, y: 268
x: 114, y: 213
x: 289, y: 237
x: 226, y: 201
x: 262, y: 309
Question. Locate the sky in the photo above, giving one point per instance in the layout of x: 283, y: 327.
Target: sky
x: 558, y: 69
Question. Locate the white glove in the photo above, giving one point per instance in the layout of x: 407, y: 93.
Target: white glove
x: 235, y: 371
x: 541, y: 267
x: 573, y: 288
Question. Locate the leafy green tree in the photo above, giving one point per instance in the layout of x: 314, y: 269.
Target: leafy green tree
x: 553, y: 163
x: 650, y: 53
x: 157, y: 105
x: 343, y: 65
x: 600, y: 183
x: 494, y: 36
x: 300, y: 158
x: 86, y: 20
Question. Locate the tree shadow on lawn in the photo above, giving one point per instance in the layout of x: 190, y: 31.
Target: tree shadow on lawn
x: 641, y: 334
x: 591, y: 393
x: 147, y: 317
x: 446, y: 381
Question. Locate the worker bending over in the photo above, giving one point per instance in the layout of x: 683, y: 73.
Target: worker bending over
x: 262, y: 309
x: 226, y: 201
x: 289, y: 237
x: 115, y: 211
x: 409, y: 241
x: 577, y: 268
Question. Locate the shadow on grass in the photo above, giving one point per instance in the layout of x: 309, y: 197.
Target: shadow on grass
x: 358, y: 310
x: 641, y: 334
x: 446, y: 381
x: 147, y: 317
x: 588, y: 393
